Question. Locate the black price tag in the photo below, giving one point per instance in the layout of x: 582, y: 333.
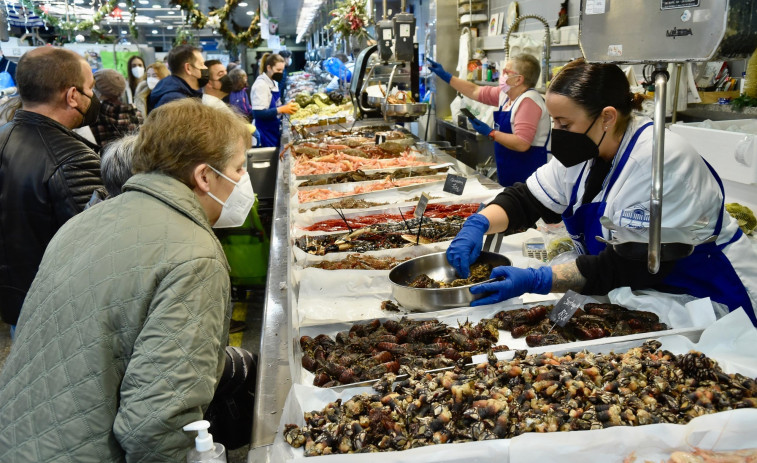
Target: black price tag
x: 566, y: 307
x: 454, y: 184
x: 380, y: 138
x: 421, y: 207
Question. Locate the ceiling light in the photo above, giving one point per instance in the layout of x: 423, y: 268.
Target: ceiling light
x: 144, y: 2
x: 122, y: 4
x: 123, y: 32
x: 250, y: 13
x: 154, y: 31
x: 157, y: 6
x: 172, y: 12
x: 78, y: 2
x: 243, y: 4
x: 169, y: 28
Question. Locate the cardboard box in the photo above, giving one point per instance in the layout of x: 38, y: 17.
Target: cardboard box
x: 732, y: 154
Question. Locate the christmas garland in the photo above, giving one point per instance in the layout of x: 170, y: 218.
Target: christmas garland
x: 88, y: 25
x: 218, y: 20
x: 350, y: 19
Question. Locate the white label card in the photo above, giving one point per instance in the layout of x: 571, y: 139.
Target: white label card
x: 595, y: 6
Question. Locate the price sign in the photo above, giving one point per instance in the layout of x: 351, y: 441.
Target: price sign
x: 421, y: 207
x: 566, y: 307
x: 454, y: 184
x: 380, y: 138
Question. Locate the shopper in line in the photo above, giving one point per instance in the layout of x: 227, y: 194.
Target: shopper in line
x: 136, y: 74
x: 602, y: 167
x: 116, y: 118
x: 116, y: 168
x: 218, y: 86
x: 188, y: 75
x: 47, y: 172
x: 266, y: 101
x: 155, y: 72
x: 239, y: 98
x: 521, y: 124
x: 122, y: 339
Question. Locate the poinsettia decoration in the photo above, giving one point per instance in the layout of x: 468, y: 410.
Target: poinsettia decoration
x: 350, y: 19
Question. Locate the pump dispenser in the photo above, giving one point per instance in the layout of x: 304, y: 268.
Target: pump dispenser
x: 205, y: 451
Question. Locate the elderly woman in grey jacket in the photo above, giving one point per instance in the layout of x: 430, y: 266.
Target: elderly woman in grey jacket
x: 121, y: 339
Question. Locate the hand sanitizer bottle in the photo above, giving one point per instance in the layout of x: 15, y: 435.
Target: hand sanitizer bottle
x: 205, y: 451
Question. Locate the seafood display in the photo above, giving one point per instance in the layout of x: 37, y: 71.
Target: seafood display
x: 360, y: 262
x: 478, y: 273
x: 383, y: 236
x: 710, y: 456
x: 318, y: 194
x: 360, y: 176
x: 341, y: 161
x: 594, y: 321
x: 368, y: 350
x: 347, y: 203
x: 530, y: 393
x: 435, y: 211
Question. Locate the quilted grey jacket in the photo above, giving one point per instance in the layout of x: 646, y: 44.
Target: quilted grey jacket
x: 121, y: 339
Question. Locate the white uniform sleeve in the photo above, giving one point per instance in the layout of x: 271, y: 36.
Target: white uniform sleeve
x: 689, y: 189
x: 552, y: 183
x: 260, y: 95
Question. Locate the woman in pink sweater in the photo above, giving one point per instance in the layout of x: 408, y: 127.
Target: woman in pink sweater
x: 521, y: 124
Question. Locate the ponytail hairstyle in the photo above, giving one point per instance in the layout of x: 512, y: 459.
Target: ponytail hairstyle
x: 594, y: 86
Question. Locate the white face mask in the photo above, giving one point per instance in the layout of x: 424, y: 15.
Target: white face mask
x: 152, y: 82
x: 138, y: 72
x: 237, y: 205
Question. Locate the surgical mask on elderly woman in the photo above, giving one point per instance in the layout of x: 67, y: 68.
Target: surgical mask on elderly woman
x: 237, y: 205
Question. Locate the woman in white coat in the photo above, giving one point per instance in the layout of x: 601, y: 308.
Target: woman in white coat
x: 602, y: 167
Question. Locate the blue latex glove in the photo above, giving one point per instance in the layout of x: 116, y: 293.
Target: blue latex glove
x: 480, y: 126
x: 438, y: 69
x: 466, y: 247
x: 514, y: 282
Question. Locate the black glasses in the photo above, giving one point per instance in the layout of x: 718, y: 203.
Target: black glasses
x: 82, y: 92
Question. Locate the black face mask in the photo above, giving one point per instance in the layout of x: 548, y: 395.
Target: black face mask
x: 277, y: 76
x: 93, y: 112
x: 572, y: 148
x: 204, y: 77
x: 225, y: 84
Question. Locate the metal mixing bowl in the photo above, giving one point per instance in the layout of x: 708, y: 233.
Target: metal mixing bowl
x: 436, y: 267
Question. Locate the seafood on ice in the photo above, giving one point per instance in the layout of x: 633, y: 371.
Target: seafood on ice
x: 319, y: 194
x: 342, y: 162
x: 436, y: 211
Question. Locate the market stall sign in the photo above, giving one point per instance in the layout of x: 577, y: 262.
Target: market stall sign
x: 454, y: 184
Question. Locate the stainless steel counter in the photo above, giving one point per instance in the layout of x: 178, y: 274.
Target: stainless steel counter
x: 274, y: 377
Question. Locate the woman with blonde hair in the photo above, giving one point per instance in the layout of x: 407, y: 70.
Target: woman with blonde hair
x: 154, y: 74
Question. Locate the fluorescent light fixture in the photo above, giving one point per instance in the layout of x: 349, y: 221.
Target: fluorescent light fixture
x: 123, y: 32
x: 172, y: 12
x: 144, y: 2
x: 154, y: 31
x: 307, y: 13
x: 250, y: 13
x: 243, y: 4
x: 156, y: 6
x: 122, y: 4
x: 170, y: 28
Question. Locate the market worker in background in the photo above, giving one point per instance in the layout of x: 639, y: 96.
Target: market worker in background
x: 287, y: 55
x: 122, y: 338
x: 47, y: 172
x: 188, y: 75
x: 521, y: 124
x: 602, y: 166
x: 266, y: 102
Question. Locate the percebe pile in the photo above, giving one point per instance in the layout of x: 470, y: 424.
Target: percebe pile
x: 531, y: 393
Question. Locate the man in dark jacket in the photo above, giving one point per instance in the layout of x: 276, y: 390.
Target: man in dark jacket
x: 47, y: 172
x: 188, y: 75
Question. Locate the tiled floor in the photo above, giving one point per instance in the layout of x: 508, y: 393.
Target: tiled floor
x: 250, y: 310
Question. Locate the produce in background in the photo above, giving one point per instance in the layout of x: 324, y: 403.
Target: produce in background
x: 744, y: 215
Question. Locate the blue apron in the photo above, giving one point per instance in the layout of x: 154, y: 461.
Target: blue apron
x: 515, y: 166
x: 707, y: 272
x: 270, y: 129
